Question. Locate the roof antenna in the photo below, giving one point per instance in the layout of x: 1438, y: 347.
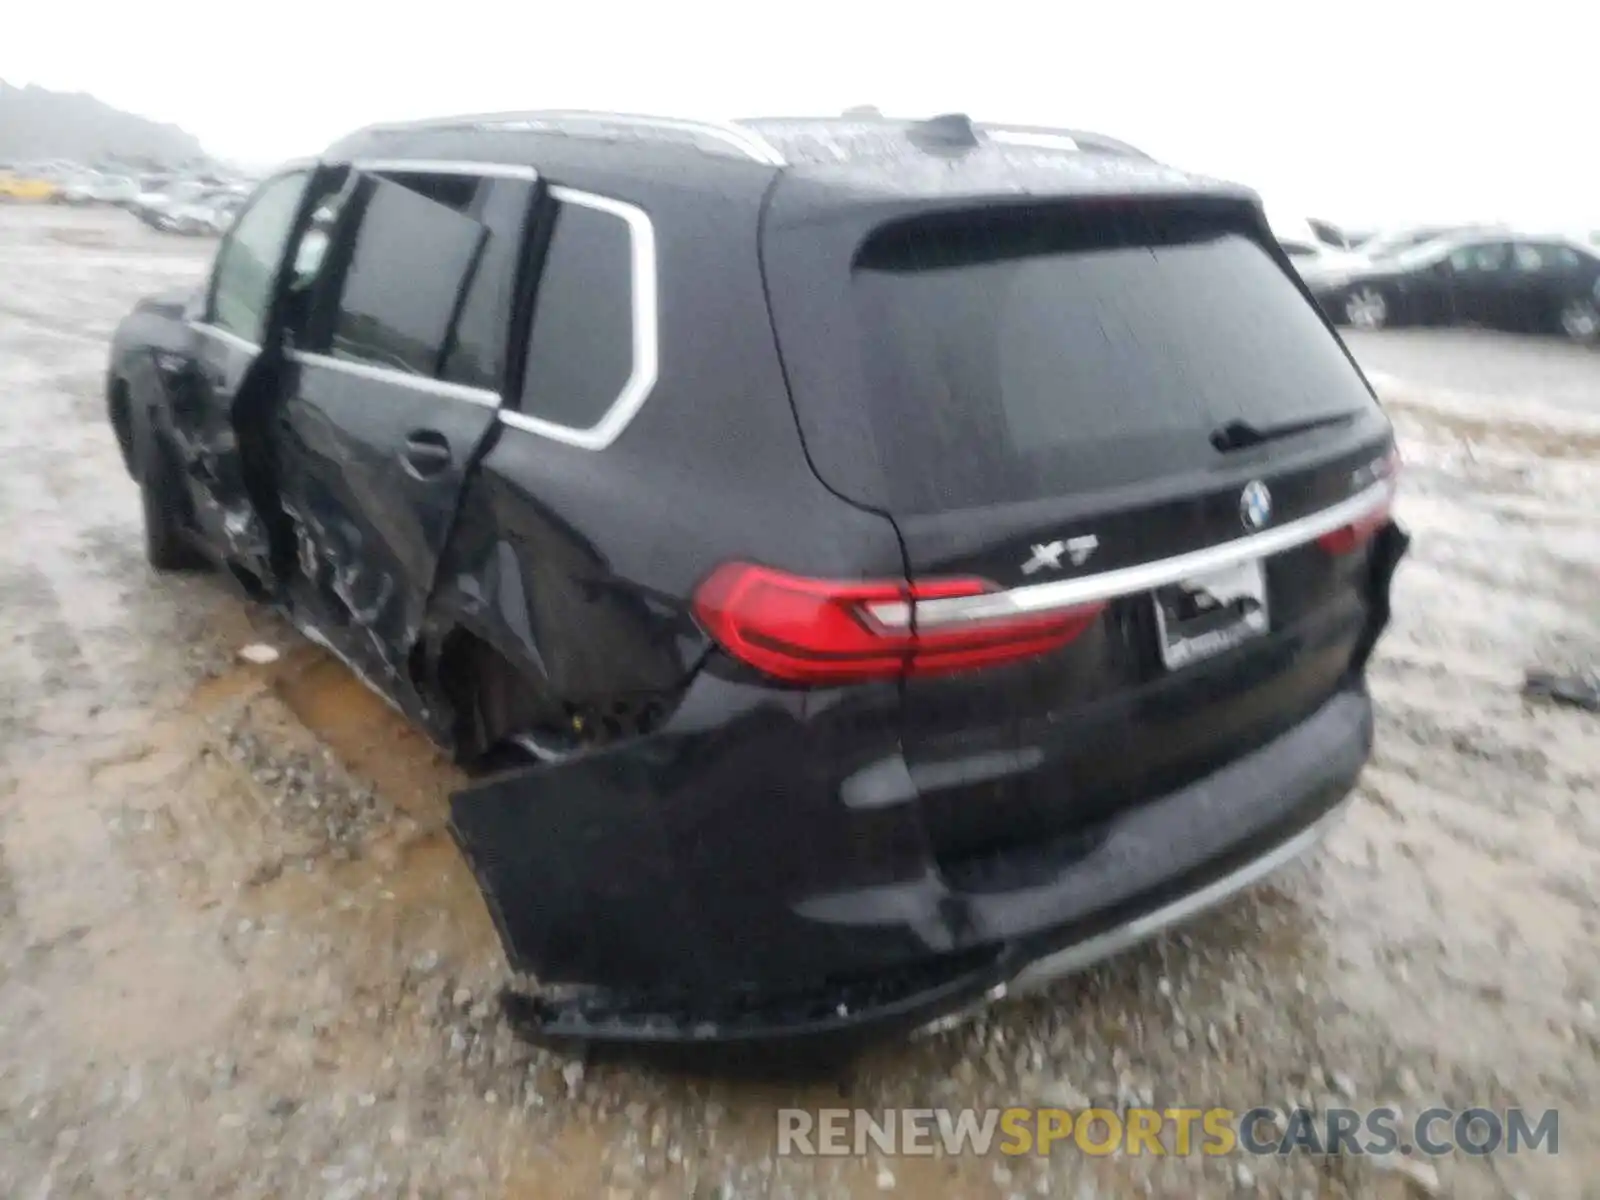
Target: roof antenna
x: 948, y: 131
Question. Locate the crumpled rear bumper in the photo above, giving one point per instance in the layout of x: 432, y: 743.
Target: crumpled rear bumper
x: 616, y: 880
x: 712, y: 883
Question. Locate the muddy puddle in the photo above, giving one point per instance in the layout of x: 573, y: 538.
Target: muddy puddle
x: 239, y: 955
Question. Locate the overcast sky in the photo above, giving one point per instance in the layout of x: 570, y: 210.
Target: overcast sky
x: 1410, y: 109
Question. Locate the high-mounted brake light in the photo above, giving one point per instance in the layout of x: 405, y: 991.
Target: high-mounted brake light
x: 837, y: 631
x: 1349, y: 538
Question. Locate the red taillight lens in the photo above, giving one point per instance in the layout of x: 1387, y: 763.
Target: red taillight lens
x: 1349, y: 538
x: 834, y: 631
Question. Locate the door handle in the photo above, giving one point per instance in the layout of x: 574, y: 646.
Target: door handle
x: 427, y: 452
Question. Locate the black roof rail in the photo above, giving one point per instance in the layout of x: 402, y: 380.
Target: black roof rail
x: 580, y: 122
x: 950, y: 131
x: 1053, y: 137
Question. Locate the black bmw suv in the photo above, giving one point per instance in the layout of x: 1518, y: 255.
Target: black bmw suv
x: 874, y: 565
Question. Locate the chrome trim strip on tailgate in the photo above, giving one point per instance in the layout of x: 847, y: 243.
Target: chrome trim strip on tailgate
x: 1085, y: 953
x: 1126, y: 581
x: 1069, y: 960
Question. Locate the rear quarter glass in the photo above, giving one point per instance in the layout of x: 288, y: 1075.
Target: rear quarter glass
x: 1015, y: 355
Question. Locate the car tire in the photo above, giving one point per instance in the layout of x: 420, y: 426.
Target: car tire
x: 1366, y: 308
x: 1580, y: 320
x: 166, y: 541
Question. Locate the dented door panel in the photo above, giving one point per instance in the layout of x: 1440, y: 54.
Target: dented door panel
x: 227, y: 379
x: 206, y: 390
x: 525, y: 574
x: 369, y: 511
x: 374, y: 438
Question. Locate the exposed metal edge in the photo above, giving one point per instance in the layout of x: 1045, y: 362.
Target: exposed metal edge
x: 1114, y: 941
x: 444, y: 166
x: 1127, y: 581
x: 225, y: 336
x: 312, y: 634
x: 417, y: 383
x: 642, y: 381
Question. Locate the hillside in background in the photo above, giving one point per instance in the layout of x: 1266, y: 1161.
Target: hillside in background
x: 38, y: 124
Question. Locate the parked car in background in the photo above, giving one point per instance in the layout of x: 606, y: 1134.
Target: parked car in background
x: 1389, y: 242
x: 1580, y: 311
x: 1330, y: 234
x: 28, y: 187
x: 78, y: 189
x: 174, y: 203
x: 208, y: 212
x: 1522, y: 283
x: 118, y: 189
x: 1307, y: 250
x: 97, y: 188
x: 1008, y: 633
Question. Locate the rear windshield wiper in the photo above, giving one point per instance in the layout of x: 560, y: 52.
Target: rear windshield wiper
x: 1240, y: 434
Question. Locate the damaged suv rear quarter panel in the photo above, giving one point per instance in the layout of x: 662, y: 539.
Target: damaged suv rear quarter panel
x: 676, y: 863
x: 576, y: 565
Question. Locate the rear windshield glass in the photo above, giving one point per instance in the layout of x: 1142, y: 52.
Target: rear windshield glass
x: 1015, y: 358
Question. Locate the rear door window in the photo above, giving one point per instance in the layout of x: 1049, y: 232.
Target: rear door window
x: 476, y: 354
x: 581, y: 348
x: 1480, y: 258
x: 417, y: 272
x: 415, y: 253
x: 1012, y: 359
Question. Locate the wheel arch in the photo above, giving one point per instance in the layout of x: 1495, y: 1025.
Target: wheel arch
x: 467, y: 676
x: 486, y: 695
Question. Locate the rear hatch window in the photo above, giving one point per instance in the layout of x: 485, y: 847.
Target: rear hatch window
x: 1011, y: 356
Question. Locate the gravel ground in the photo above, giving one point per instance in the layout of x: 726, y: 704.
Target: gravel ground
x: 240, y: 957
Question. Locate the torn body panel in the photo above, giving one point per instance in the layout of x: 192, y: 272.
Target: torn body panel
x: 597, y: 655
x: 761, y: 866
x: 210, y: 393
x: 711, y: 885
x: 368, y: 527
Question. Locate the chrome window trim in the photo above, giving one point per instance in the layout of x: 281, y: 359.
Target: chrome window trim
x: 486, y: 397
x: 643, y: 299
x: 642, y: 380
x: 1127, y: 581
x: 226, y: 336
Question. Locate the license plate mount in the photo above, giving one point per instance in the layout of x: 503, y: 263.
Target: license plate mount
x: 1210, y: 612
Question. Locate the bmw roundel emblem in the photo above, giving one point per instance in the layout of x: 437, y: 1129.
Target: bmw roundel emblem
x: 1255, y: 505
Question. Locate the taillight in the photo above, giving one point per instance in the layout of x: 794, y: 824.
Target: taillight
x: 1349, y: 538
x: 836, y: 631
